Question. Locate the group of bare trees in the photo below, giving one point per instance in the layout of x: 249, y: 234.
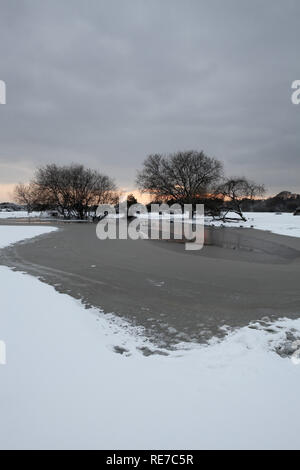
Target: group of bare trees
x: 189, y: 177
x: 72, y: 190
x: 193, y: 177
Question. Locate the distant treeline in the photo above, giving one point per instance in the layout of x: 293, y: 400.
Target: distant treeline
x: 282, y: 202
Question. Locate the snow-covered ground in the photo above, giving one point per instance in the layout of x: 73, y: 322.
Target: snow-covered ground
x: 283, y: 224
x: 18, y: 214
x: 10, y: 235
x: 64, y: 387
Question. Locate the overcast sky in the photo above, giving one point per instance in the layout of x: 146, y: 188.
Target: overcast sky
x: 106, y: 82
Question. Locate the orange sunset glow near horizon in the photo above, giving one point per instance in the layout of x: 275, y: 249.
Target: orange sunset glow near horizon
x: 7, y: 193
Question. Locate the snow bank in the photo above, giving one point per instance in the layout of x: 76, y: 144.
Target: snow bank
x: 64, y: 387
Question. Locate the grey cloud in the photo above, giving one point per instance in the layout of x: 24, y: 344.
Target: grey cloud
x: 107, y: 82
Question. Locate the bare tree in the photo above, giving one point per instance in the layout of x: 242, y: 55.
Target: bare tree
x: 23, y: 195
x: 27, y: 195
x: 234, y: 191
x: 72, y: 190
x: 183, y: 176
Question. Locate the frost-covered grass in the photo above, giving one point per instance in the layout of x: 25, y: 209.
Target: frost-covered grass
x: 64, y: 387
